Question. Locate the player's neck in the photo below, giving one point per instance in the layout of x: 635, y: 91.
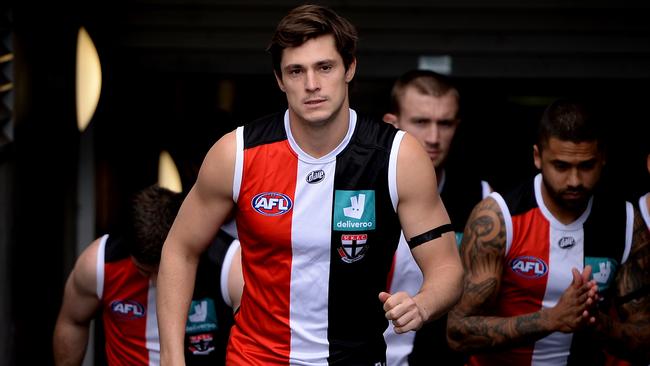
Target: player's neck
x: 318, y: 139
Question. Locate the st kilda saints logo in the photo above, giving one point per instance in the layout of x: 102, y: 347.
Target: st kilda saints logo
x: 353, y: 247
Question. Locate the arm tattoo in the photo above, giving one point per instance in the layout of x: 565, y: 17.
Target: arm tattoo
x: 629, y: 335
x: 471, y: 324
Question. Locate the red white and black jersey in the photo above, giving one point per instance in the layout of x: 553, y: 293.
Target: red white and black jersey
x: 128, y: 307
x: 540, y: 253
x: 318, y: 237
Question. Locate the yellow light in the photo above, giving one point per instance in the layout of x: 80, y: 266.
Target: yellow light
x: 88, y: 79
x: 168, y: 176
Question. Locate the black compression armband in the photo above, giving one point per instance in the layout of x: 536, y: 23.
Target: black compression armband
x: 429, y: 235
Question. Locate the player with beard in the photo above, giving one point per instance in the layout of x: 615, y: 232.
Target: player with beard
x: 319, y: 195
x: 548, y: 263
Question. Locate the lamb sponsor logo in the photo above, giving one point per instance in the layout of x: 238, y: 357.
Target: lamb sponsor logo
x: 127, y: 309
x: 529, y: 267
x: 566, y: 242
x: 271, y: 203
x: 315, y: 176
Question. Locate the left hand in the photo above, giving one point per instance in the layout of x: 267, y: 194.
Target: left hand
x: 402, y: 310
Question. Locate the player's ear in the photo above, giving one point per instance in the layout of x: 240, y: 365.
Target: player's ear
x: 352, y: 68
x: 537, y: 156
x: 278, y: 78
x: 390, y: 118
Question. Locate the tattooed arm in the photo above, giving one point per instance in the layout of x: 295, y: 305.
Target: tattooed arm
x: 472, y: 324
x: 629, y: 336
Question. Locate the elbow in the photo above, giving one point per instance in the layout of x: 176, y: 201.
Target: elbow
x: 458, y: 286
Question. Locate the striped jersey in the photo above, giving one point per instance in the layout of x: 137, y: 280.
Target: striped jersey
x: 128, y: 307
x: 540, y: 252
x: 318, y: 237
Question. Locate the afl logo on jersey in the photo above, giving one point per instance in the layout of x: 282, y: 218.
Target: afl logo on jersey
x: 566, y: 242
x: 127, y: 309
x: 315, y: 176
x: 271, y: 203
x: 529, y: 267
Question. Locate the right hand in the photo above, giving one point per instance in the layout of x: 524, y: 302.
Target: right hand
x: 575, y: 308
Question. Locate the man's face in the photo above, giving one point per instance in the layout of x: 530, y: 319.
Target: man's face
x: 314, y: 79
x: 570, y: 171
x: 431, y: 120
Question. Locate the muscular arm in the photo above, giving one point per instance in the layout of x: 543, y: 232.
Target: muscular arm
x: 629, y: 336
x: 80, y: 304
x: 202, y: 213
x: 420, y: 210
x: 471, y: 324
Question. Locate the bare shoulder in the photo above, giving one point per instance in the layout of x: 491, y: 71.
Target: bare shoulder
x: 420, y: 207
x: 633, y: 275
x: 218, y: 166
x: 415, y: 170
x: 640, y: 241
x: 221, y: 154
x: 84, y: 274
x: 482, y: 252
x: 411, y: 151
x: 484, y: 238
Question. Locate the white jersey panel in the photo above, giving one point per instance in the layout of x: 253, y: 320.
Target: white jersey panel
x: 311, y: 245
x: 311, y: 263
x: 101, y: 254
x: 406, y: 277
x: 566, y: 251
x: 151, y: 333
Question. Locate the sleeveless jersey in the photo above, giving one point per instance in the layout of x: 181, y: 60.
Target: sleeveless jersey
x: 317, y: 238
x: 459, y: 196
x: 643, y: 207
x: 540, y: 252
x: 128, y: 307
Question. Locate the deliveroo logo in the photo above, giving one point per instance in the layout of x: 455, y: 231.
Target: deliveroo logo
x: 603, y: 270
x: 354, y: 210
x: 202, y: 316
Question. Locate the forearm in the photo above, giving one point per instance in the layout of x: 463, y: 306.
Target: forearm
x: 440, y: 292
x: 69, y: 343
x: 477, y: 333
x: 175, y: 284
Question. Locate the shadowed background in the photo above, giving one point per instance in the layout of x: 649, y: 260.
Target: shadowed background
x: 178, y: 74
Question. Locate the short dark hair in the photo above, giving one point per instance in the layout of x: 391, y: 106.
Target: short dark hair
x: 309, y: 21
x: 152, y: 214
x: 426, y: 82
x: 570, y: 120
